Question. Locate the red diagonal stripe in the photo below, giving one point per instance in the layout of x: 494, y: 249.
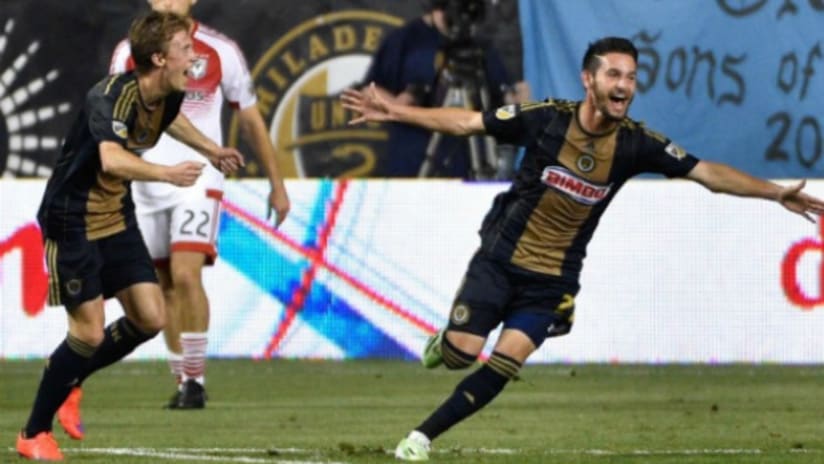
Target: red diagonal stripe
x: 373, y: 295
x: 316, y: 258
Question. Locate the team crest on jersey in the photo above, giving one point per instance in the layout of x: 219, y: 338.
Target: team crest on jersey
x: 198, y: 69
x: 585, y: 163
x: 505, y: 112
x: 675, y: 151
x: 298, y: 81
x: 119, y: 128
x: 460, y: 314
x: 574, y: 187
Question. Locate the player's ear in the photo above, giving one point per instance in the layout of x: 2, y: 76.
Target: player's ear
x: 586, y: 79
x: 158, y: 59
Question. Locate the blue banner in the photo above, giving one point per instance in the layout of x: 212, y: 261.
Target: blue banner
x: 735, y: 81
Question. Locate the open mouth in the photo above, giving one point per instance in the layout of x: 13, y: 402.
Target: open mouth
x: 619, y: 99
x: 618, y: 102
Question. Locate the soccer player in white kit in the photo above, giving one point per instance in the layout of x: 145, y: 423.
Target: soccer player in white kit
x: 179, y: 225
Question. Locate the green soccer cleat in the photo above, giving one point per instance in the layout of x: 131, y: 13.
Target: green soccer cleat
x: 432, y: 356
x: 415, y: 447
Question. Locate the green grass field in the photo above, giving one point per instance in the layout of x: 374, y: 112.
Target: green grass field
x: 355, y: 412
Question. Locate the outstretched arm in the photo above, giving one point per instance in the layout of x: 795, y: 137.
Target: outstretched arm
x: 226, y: 159
x: 253, y: 128
x: 117, y: 161
x: 371, y: 107
x: 721, y: 178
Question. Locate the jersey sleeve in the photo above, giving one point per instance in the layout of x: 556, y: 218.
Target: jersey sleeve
x: 103, y: 125
x: 516, y: 124
x: 658, y: 154
x: 121, y: 58
x: 237, y: 84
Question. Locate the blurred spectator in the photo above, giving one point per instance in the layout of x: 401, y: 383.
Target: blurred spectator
x: 418, y: 64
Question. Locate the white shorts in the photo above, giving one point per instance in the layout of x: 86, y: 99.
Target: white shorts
x: 191, y: 225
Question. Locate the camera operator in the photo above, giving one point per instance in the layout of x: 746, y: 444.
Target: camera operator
x: 416, y: 63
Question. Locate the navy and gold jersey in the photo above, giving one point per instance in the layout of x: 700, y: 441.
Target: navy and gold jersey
x: 80, y: 198
x: 567, y: 178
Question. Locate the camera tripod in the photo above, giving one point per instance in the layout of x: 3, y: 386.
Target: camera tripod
x: 459, y: 93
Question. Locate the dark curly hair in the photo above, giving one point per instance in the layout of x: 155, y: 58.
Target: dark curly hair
x: 607, y: 45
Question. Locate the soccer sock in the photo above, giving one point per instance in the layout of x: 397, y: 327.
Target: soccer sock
x: 175, y: 361
x: 63, y: 370
x: 473, y: 393
x: 120, y: 338
x: 194, y: 355
x: 453, y: 358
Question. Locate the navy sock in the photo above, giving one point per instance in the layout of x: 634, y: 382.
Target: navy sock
x: 63, y: 371
x: 473, y: 393
x: 120, y: 338
x: 453, y: 358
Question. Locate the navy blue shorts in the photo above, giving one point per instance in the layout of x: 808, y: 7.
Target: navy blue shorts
x: 81, y: 270
x: 495, y: 292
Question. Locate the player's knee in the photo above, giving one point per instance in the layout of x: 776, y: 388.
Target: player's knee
x: 142, y: 330
x: 87, y: 331
x: 186, y: 279
x: 150, y: 321
x: 91, y: 336
x: 455, y: 358
x: 153, y: 323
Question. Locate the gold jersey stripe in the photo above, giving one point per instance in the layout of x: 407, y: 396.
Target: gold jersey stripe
x: 119, y: 102
x: 536, y: 105
x: 124, y: 102
x: 109, y: 84
x: 54, y: 279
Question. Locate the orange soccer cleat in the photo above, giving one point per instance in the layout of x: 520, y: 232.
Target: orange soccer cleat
x: 69, y: 415
x: 43, y: 447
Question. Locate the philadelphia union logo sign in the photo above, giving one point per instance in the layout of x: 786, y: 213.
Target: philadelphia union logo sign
x: 298, y: 81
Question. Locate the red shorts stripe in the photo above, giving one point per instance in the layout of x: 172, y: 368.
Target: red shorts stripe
x: 206, y: 248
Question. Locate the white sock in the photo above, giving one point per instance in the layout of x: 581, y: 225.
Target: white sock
x: 194, y: 355
x: 175, y: 361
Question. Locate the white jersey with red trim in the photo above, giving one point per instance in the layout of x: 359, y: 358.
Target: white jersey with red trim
x: 220, y: 72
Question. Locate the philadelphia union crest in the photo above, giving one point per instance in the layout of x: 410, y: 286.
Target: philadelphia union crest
x: 298, y: 81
